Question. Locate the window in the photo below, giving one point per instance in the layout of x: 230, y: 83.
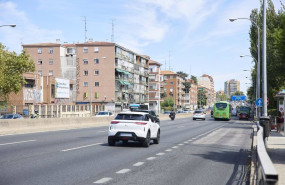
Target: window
x: 171, y: 76
x: 85, y: 61
x: 85, y: 50
x: 50, y: 50
x: 39, y: 50
x: 40, y: 72
x: 96, y: 61
x: 96, y: 49
x: 50, y: 73
x: 96, y: 72
x: 97, y: 84
x: 171, y: 83
x: 85, y: 84
x: 85, y: 73
x: 40, y: 61
x: 50, y: 61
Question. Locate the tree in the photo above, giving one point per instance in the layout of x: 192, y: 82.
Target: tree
x: 194, y: 78
x: 202, y: 98
x: 187, y: 86
x: 182, y: 75
x: 12, y: 67
x: 168, y: 102
x: 221, y: 97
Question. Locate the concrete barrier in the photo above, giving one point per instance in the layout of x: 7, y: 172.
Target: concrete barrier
x: 20, y: 126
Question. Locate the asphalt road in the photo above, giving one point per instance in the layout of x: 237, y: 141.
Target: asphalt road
x: 190, y: 152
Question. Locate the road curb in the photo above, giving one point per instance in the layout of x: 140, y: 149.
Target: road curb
x: 253, y: 166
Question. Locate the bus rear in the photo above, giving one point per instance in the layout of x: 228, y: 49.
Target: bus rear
x: 222, y: 110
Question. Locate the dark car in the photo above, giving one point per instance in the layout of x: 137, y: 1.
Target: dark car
x: 152, y: 114
x: 11, y: 116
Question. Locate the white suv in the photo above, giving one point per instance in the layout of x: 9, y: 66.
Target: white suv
x: 135, y: 126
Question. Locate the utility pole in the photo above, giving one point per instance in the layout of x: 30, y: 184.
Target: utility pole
x: 264, y: 67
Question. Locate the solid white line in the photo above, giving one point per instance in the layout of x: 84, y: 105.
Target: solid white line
x: 123, y: 171
x: 168, y: 150
x: 103, y: 180
x: 160, y: 153
x: 151, y: 158
x: 80, y: 147
x: 138, y: 164
x: 17, y: 142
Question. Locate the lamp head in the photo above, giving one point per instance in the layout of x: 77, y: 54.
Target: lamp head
x: 232, y: 19
x: 13, y: 25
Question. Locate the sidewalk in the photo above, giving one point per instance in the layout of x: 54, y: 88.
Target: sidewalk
x: 276, y: 152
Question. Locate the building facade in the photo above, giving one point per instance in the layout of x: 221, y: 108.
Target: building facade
x: 155, y: 80
x: 231, y: 86
x: 208, y: 82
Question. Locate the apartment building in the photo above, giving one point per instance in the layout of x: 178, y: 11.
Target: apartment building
x: 173, y: 87
x: 193, y: 95
x: 56, y: 61
x: 111, y: 75
x: 231, y: 86
x: 155, y: 80
x: 208, y: 82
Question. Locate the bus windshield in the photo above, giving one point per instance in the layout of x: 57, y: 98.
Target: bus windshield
x: 221, y: 105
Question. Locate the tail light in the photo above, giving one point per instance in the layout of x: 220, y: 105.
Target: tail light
x: 115, y: 122
x: 141, y: 123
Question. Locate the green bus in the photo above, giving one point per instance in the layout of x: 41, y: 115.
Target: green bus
x: 222, y: 110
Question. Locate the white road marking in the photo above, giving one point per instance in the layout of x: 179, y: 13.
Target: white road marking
x: 17, y: 142
x: 123, y: 171
x: 190, y: 140
x: 138, y: 164
x: 102, y: 131
x: 168, y: 150
x: 186, y: 142
x: 76, y: 148
x: 103, y: 180
x: 160, y: 153
x: 151, y: 158
x: 175, y: 147
x: 194, y: 138
x: 180, y: 144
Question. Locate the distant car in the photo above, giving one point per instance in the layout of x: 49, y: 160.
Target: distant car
x: 134, y: 126
x: 12, y: 116
x: 180, y: 112
x: 234, y: 112
x: 199, y: 114
x: 104, y: 114
x: 166, y: 112
x: 152, y: 114
x: 186, y: 111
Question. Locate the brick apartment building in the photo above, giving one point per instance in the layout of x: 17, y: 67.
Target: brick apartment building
x: 155, y: 85
x: 193, y: 95
x: 173, y: 87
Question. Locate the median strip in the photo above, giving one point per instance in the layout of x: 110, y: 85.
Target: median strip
x: 76, y: 148
x: 18, y: 142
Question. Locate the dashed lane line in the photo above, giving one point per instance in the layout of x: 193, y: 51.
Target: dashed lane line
x: 103, y: 180
x: 175, y: 146
x: 76, y: 148
x: 168, y: 150
x: 160, y: 153
x: 18, y: 142
x: 123, y: 171
x: 138, y: 164
x: 181, y: 144
x: 151, y: 158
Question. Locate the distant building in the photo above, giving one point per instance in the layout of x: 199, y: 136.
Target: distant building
x: 208, y: 82
x: 155, y: 86
x: 231, y: 86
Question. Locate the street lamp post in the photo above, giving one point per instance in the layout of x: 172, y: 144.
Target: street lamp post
x: 257, y: 89
x: 11, y: 25
x: 258, y: 60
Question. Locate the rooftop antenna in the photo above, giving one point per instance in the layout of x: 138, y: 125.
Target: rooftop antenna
x: 85, y: 28
x: 112, y: 36
x: 169, y: 59
x: 165, y: 65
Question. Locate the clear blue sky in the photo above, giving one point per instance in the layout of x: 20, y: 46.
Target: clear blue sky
x: 194, y: 36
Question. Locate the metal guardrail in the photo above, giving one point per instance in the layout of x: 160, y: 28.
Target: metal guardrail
x: 266, y: 173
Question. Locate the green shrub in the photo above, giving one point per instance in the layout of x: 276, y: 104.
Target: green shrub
x: 272, y: 112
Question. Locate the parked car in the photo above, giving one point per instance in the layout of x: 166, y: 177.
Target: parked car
x: 152, y: 114
x: 166, y: 112
x: 199, y: 114
x: 133, y: 126
x: 104, y: 114
x: 12, y: 116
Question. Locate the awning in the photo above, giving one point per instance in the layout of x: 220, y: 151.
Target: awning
x: 122, y: 82
x: 122, y: 71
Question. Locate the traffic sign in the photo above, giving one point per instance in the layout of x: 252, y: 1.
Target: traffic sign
x: 258, y: 102
x: 238, y: 98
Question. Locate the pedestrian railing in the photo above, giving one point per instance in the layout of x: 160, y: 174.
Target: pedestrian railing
x: 266, y: 173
